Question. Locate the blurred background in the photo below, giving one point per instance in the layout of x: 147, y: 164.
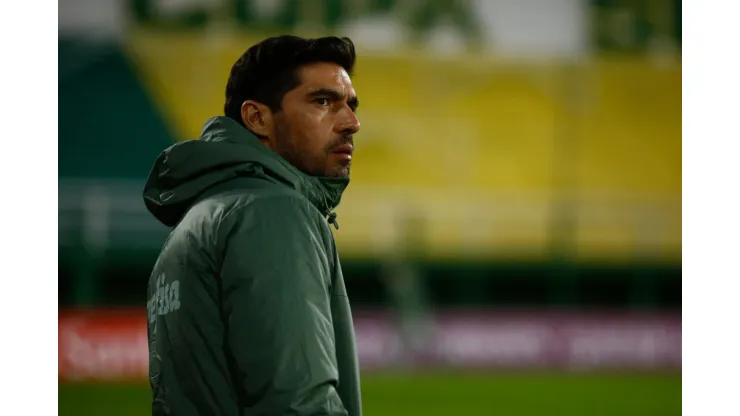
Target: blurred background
x: 511, y: 239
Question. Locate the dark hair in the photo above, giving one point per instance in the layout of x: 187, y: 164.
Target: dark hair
x: 267, y: 70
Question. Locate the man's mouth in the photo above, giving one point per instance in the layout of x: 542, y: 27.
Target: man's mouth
x: 344, y: 149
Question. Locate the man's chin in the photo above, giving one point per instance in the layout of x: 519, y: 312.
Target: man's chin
x: 339, y: 172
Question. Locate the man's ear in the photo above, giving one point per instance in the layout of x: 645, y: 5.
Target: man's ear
x: 257, y: 118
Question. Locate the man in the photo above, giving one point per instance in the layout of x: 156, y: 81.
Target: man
x: 247, y: 311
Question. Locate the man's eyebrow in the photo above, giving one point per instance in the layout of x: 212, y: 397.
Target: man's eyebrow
x: 353, y: 101
x: 328, y: 92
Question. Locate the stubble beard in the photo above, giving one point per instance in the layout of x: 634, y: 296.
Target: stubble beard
x: 286, y: 146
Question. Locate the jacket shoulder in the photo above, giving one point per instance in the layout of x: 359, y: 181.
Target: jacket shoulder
x: 225, y: 202
x: 265, y: 202
x: 279, y: 207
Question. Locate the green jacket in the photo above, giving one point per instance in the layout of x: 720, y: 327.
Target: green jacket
x: 247, y: 312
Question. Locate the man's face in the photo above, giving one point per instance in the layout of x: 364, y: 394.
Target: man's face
x: 314, y: 130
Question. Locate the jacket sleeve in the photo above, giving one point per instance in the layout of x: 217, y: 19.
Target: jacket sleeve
x: 275, y: 278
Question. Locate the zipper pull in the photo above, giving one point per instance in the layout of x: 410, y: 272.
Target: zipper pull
x: 332, y: 219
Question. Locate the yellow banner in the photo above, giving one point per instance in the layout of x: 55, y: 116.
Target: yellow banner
x: 605, y: 130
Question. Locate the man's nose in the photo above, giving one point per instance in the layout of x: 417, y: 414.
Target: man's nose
x: 348, y: 122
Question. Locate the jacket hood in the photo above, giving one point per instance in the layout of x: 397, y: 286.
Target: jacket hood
x: 226, y: 150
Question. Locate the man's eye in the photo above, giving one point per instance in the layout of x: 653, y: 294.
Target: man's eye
x: 321, y: 101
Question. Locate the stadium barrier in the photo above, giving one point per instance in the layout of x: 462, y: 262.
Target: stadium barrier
x: 111, y: 345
